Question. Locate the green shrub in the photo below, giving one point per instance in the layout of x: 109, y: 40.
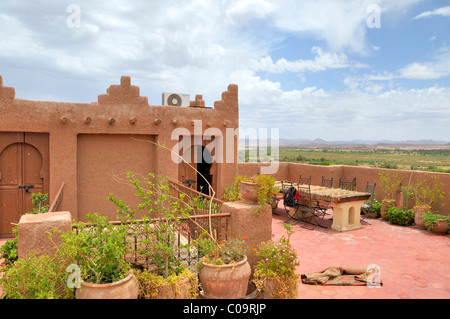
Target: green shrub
x: 400, y: 216
x: 39, y: 277
x: 430, y: 219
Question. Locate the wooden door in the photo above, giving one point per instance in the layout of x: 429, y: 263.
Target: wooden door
x: 24, y: 169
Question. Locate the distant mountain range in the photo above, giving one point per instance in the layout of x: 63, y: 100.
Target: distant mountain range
x: 320, y: 142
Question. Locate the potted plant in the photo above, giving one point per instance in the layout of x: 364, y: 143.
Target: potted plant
x: 275, y: 270
x: 375, y: 210
x: 160, y: 274
x: 425, y: 195
x: 436, y: 223
x: 224, y: 271
x: 391, y: 184
x: 100, y: 250
x: 38, y: 277
x: 257, y: 189
x: 400, y: 216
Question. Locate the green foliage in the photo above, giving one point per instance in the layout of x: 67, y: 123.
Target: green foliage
x: 231, y: 193
x: 99, y: 249
x: 425, y: 192
x: 430, y: 219
x: 38, y: 200
x: 376, y: 207
x: 265, y: 188
x: 418, y: 159
x: 277, y: 260
x: 224, y: 252
x: 400, y: 216
x: 43, y: 277
x: 162, y: 213
x: 9, y: 250
x: 391, y: 182
x: 36, y: 278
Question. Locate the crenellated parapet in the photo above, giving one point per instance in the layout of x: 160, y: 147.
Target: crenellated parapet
x: 229, y: 101
x: 6, y: 93
x: 125, y: 93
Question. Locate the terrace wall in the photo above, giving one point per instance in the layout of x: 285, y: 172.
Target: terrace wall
x: 291, y: 171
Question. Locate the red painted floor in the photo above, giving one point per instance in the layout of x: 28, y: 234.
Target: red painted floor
x: 413, y: 263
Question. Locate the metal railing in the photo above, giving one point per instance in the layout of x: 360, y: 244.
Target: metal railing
x: 206, y: 216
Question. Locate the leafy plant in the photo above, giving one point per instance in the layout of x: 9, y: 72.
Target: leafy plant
x: 100, y: 249
x: 400, y: 216
x: 390, y: 182
x: 265, y: 188
x: 231, y: 193
x: 9, y: 250
x: 431, y: 219
x: 36, y: 278
x: 426, y: 192
x: 38, y: 200
x: 277, y: 261
x: 158, y: 229
x: 376, y: 207
x: 43, y: 277
x: 224, y: 252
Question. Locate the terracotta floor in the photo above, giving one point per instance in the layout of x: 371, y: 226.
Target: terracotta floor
x: 413, y: 263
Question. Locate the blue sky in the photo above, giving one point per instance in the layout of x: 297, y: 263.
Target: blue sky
x: 330, y: 69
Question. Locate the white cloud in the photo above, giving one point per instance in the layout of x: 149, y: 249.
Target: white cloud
x: 436, y: 68
x: 322, y: 61
x: 241, y: 12
x: 444, y: 11
x: 422, y: 71
x: 201, y: 46
x: 391, y: 114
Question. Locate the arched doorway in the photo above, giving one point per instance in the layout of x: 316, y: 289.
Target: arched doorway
x: 24, y: 169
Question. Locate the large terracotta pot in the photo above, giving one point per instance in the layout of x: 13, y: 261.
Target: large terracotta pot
x: 248, y: 192
x: 418, y: 215
x: 441, y: 227
x: 225, y: 281
x: 127, y: 288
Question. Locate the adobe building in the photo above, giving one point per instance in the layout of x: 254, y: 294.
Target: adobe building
x: 89, y: 147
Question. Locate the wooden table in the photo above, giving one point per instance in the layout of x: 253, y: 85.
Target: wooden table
x: 346, y: 205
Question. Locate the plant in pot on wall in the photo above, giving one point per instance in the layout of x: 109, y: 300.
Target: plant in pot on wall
x: 159, y: 273
x: 391, y: 183
x: 100, y: 250
x: 224, y: 271
x: 275, y: 270
x: 436, y: 223
x: 257, y: 189
x: 425, y: 194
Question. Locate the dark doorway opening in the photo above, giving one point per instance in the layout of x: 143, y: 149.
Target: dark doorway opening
x: 204, y: 170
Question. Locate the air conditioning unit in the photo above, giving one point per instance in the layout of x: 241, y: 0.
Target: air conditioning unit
x: 175, y: 99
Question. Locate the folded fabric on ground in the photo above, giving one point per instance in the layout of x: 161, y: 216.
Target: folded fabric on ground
x: 343, y: 276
